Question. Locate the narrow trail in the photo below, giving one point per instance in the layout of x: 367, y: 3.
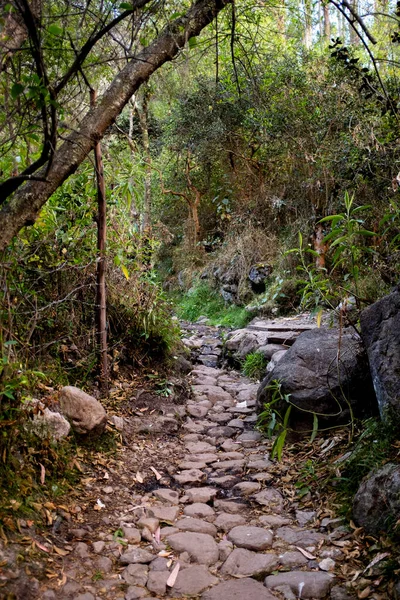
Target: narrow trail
x: 203, y: 495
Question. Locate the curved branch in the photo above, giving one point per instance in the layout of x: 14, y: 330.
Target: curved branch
x: 23, y: 208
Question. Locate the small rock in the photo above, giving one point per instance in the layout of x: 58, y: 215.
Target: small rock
x: 312, y: 584
x: 168, y: 514
x: 193, y: 581
x: 226, y: 521
x: 305, y: 516
x: 201, y: 547
x: 252, y: 538
x: 199, y: 510
x: 166, y: 495
x: 271, y: 498
x: 201, y: 495
x: 225, y: 548
x: 84, y: 412
x: 199, y: 447
x: 246, y: 488
x: 134, y: 593
x: 98, y: 547
x: 157, y: 582
x: 137, y: 555
x: 190, y: 476
x: 292, y: 559
x: 327, y: 564
x: 244, y: 563
x: 238, y: 590
x: 136, y: 574
x: 196, y: 525
x: 131, y: 534
x: 151, y: 523
x: 231, y: 506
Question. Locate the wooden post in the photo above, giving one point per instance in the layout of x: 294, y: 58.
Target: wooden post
x: 101, y: 301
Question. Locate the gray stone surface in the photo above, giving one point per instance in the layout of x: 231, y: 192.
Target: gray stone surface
x: 302, y: 583
x: 201, y: 547
x: 84, y: 412
x: 317, y: 380
x: 227, y: 521
x: 376, y: 505
x: 252, y: 538
x: 244, y: 563
x: 193, y: 581
x: 199, y: 510
x: 380, y: 326
x: 136, y: 555
x: 241, y: 589
x: 196, y: 525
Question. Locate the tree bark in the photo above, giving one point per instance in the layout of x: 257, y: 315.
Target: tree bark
x: 24, y: 206
x: 101, y: 299
x: 327, y: 23
x: 143, y: 114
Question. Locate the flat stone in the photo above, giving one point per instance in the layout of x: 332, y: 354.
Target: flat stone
x: 292, y: 559
x: 220, y: 418
x: 273, y: 520
x: 246, y: 488
x: 166, y: 531
x: 221, y: 431
x: 199, y: 447
x: 252, y: 538
x: 305, y: 516
x: 227, y: 521
x: 238, y: 590
x: 225, y: 465
x: 99, y: 546
x: 159, y: 564
x: 157, y: 582
x: 166, y: 495
x: 198, y: 509
x: 225, y: 482
x: 202, y: 457
x: 134, y: 593
x: 244, y: 563
x: 131, y: 534
x: 299, y: 537
x: 234, y: 455
x: 192, y: 581
x: 136, y: 555
x: 259, y: 464
x: 167, y: 514
x: 201, y: 547
x: 190, y: 476
x: 201, y: 495
x: 196, y: 525
x: 104, y: 564
x: 249, y: 439
x: 262, y: 477
x: 187, y: 465
x: 230, y: 446
x: 302, y: 583
x: 237, y: 423
x: 225, y: 548
x: 214, y: 393
x: 150, y: 523
x: 136, y: 574
x: 197, y: 411
x: 231, y: 506
x: 271, y: 498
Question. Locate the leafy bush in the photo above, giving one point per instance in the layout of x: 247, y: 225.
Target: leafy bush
x: 202, y: 301
x: 254, y: 365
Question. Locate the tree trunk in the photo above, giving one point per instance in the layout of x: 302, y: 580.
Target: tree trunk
x: 308, y: 24
x: 354, y: 39
x: 24, y: 206
x: 143, y: 114
x: 101, y: 300
x: 327, y: 23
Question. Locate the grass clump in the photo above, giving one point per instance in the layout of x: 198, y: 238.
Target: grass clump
x: 203, y: 301
x: 254, y: 365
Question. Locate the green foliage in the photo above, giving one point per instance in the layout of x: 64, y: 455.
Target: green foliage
x: 254, y: 365
x: 316, y: 289
x: 271, y: 420
x: 201, y: 300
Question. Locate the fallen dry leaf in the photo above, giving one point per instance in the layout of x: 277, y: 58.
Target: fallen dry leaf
x: 174, y: 574
x: 156, y: 473
x: 306, y: 554
x: 42, y: 474
x: 139, y: 477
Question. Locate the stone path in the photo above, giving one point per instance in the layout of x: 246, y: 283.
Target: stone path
x: 211, y: 523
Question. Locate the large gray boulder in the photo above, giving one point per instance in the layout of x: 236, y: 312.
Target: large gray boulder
x: 84, y: 412
x: 380, y: 328
x: 322, y: 372
x: 376, y: 506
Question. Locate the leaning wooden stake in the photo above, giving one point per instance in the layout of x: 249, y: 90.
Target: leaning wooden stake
x: 101, y: 302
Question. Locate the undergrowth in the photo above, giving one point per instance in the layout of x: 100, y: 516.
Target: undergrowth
x: 254, y: 365
x: 203, y: 301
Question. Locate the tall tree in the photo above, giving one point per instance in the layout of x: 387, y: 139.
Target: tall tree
x: 22, y: 208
